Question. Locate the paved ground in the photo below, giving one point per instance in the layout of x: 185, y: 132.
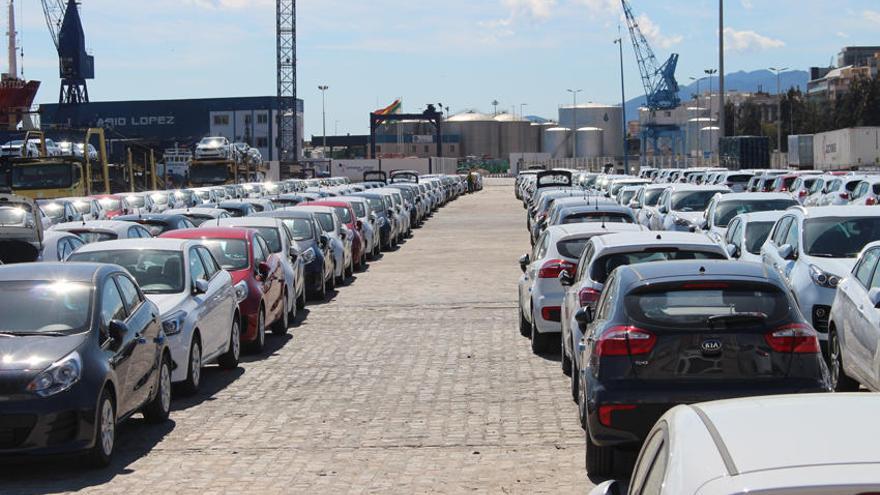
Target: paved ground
x: 413, y: 380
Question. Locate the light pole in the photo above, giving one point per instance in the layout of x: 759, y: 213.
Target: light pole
x: 574, y: 99
x: 619, y: 42
x: 778, y: 109
x: 323, y: 89
x: 522, y: 106
x: 710, y: 73
x: 495, y: 105
x: 722, y: 118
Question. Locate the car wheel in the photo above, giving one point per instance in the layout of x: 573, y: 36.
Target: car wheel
x: 575, y: 381
x: 157, y: 410
x: 229, y: 359
x: 349, y: 272
x: 525, y: 328
x: 194, y: 368
x: 301, y: 301
x: 541, y: 342
x: 105, y: 432
x: 332, y: 285
x: 840, y: 382
x: 565, y: 361
x: 599, y: 460
x: 280, y: 326
x: 581, y: 400
x: 257, y: 345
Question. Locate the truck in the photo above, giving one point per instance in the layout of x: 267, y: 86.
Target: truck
x: 855, y: 148
x: 800, y: 151
x: 744, y: 152
x: 213, y: 172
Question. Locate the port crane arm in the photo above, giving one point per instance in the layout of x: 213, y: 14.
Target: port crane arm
x: 53, y: 11
x: 661, y: 88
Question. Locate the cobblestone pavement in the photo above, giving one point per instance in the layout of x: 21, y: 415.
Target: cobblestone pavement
x: 412, y: 380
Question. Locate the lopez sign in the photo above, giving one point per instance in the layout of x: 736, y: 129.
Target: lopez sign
x: 151, y: 120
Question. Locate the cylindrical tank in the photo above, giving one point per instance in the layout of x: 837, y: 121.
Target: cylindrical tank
x: 710, y: 136
x: 693, y: 133
x: 606, y: 117
x: 589, y: 142
x: 557, y: 142
x: 479, y: 134
x: 514, y: 133
x: 535, y: 136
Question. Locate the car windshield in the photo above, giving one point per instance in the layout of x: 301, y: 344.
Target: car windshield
x: 198, y: 220
x: 692, y: 200
x: 739, y: 179
x: 572, y: 248
x: 301, y: 228
x: 90, y: 237
x: 626, y: 197
x: 652, y: 196
x: 15, y: 215
x: 376, y: 204
x: 156, y: 227
x: 831, y: 237
x: 756, y: 234
x: 603, y: 266
x: 359, y: 209
x: 344, y: 214
x: 727, y: 210
x: 156, y: 272
x: 53, y: 210
x: 231, y: 254
x: 136, y: 201
x: 326, y: 221
x: 596, y: 217
x: 82, y: 206
x: 161, y: 199
x: 63, y: 306
x: 111, y: 204
x: 708, y: 305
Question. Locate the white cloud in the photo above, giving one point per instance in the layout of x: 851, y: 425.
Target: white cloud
x: 872, y: 15
x: 536, y: 9
x: 602, y: 7
x: 747, y: 4
x: 748, y: 41
x: 652, y: 31
x: 841, y: 34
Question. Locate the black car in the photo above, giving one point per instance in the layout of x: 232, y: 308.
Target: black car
x: 681, y: 332
x: 158, y: 223
x: 238, y: 208
x: 384, y: 217
x: 93, y: 355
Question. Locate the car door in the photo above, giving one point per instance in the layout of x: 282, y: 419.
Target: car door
x: 143, y: 323
x: 531, y: 275
x: 203, y: 306
x: 221, y: 305
x: 276, y: 273
x: 770, y: 251
x: 860, y: 317
x: 793, y: 239
x: 120, y: 352
x: 730, y: 238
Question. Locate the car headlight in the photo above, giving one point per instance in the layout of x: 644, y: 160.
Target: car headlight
x: 823, y: 278
x: 173, y: 323
x: 241, y: 291
x: 58, y: 377
x: 308, y: 255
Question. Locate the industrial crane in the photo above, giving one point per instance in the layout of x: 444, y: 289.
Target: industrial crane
x: 75, y: 65
x: 661, y: 88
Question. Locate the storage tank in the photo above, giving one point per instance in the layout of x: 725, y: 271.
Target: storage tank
x: 514, y: 135
x: 709, y: 137
x: 557, y: 142
x: 536, y: 135
x: 479, y: 134
x: 693, y: 135
x: 606, y: 117
x: 589, y: 142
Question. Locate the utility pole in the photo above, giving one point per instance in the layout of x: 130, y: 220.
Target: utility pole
x: 710, y: 73
x: 522, y: 106
x: 722, y: 119
x: 323, y: 89
x: 574, y: 104
x: 619, y: 42
x: 778, y: 109
x: 495, y: 105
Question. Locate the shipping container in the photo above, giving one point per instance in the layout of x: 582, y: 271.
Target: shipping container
x: 800, y: 151
x: 745, y: 152
x: 847, y: 149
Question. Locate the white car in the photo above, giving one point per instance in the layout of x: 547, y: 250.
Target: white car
x: 58, y: 245
x: 52, y: 149
x: 601, y: 256
x: 736, y: 181
x: 280, y: 241
x: 216, y: 147
x: 681, y: 207
x: 162, y: 201
x: 364, y: 212
x: 207, y: 196
x: 839, y: 191
x: 761, y: 446
x: 140, y: 203
x: 104, y: 230
x: 854, y: 327
x: 724, y: 207
x: 89, y: 208
x: 18, y: 148
x: 340, y: 238
x: 746, y: 234
x: 199, y: 216
x: 813, y: 249
x: 196, y: 301
x: 647, y: 201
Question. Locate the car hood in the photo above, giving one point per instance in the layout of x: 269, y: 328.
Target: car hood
x: 694, y: 217
x: 35, y: 353
x: 168, y: 303
x: 835, y: 266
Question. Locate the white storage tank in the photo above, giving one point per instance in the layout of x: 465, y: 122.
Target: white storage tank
x: 589, y: 142
x: 536, y: 135
x: 710, y: 136
x: 557, y: 142
x: 609, y: 118
x: 694, y: 143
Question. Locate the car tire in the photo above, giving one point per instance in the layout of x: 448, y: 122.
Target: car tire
x: 332, y: 283
x: 575, y: 382
x: 525, y: 328
x: 565, y: 362
x: 259, y: 343
x: 349, y: 272
x: 599, y: 460
x: 840, y: 381
x: 541, y: 342
x: 581, y: 401
x: 280, y: 326
x: 229, y: 359
x: 101, y: 453
x: 190, y: 386
x: 301, y: 301
x: 157, y: 410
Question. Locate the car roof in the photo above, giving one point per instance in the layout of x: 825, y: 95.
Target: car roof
x: 845, y: 211
x: 785, y: 428
x: 767, y: 196
x: 315, y: 208
x: 162, y: 244
x: 695, y: 187
x: 761, y: 216
x: 637, y: 240
x: 601, y: 208
x: 209, y: 232
x: 150, y: 217
x: 197, y: 211
x: 247, y: 222
x: 292, y: 212
x: 71, y: 272
x: 96, y: 225
x: 581, y: 229
x: 702, y: 269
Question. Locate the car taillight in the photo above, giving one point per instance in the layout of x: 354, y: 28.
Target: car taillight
x: 797, y: 338
x: 844, y: 195
x: 871, y: 201
x: 588, y: 296
x: 551, y: 313
x: 605, y: 412
x: 803, y: 193
x: 625, y: 340
x: 552, y: 268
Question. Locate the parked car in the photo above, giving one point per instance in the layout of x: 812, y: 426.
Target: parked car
x: 113, y: 206
x: 59, y: 211
x: 647, y: 202
x: 18, y: 149
x: 746, y: 234
x: 74, y: 370
x: 709, y: 448
x: 21, y: 229
x: 681, y: 207
x: 724, y: 207
x: 58, y: 245
x: 839, y: 191
x: 88, y: 208
x: 104, y: 230
x: 139, y: 203
x: 237, y: 208
x: 384, y: 219
x: 257, y: 276
x: 340, y: 240
x: 194, y: 296
x: 867, y: 192
x: 215, y: 147
x: 369, y: 222
x: 354, y: 228
x: 665, y: 334
x: 199, y: 216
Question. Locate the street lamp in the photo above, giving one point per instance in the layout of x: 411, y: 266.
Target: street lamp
x: 619, y: 42
x: 574, y: 98
x: 495, y: 105
x: 323, y: 89
x: 778, y: 108
x: 710, y: 73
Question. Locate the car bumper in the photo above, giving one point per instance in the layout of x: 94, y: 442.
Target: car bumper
x: 54, y: 425
x: 179, y: 345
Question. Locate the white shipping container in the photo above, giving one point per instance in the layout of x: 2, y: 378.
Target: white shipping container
x: 846, y: 149
x: 800, y: 151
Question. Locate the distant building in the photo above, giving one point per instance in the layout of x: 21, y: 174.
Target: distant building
x: 857, y: 56
x: 836, y: 82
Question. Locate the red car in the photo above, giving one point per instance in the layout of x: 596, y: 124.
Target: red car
x: 113, y: 205
x: 257, y: 275
x: 346, y: 214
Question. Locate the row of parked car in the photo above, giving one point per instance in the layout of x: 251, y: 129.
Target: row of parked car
x: 127, y: 307
x: 671, y: 289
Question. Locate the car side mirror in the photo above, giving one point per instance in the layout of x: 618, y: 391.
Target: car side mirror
x: 634, y: 204
x: 874, y: 296
x: 732, y: 251
x: 524, y: 261
x: 786, y: 252
x: 663, y: 210
x: 263, y: 269
x: 566, y: 279
x: 584, y: 317
x: 117, y: 329
x: 200, y: 287
x: 324, y: 240
x: 293, y: 253
x: 343, y: 234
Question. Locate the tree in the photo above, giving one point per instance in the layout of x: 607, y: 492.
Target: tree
x: 748, y: 120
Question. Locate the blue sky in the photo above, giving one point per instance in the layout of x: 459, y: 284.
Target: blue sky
x: 463, y: 53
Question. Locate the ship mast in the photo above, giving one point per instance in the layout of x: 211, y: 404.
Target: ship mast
x: 13, y: 49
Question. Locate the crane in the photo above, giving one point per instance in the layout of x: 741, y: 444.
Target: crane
x: 74, y: 64
x: 661, y: 87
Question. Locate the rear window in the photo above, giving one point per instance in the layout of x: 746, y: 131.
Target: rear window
x: 692, y: 200
x: 727, y: 210
x: 756, y: 235
x: 572, y: 248
x: 713, y: 305
x: 739, y: 179
x: 652, y: 196
x: 596, y: 217
x: 90, y: 237
x: 603, y: 266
